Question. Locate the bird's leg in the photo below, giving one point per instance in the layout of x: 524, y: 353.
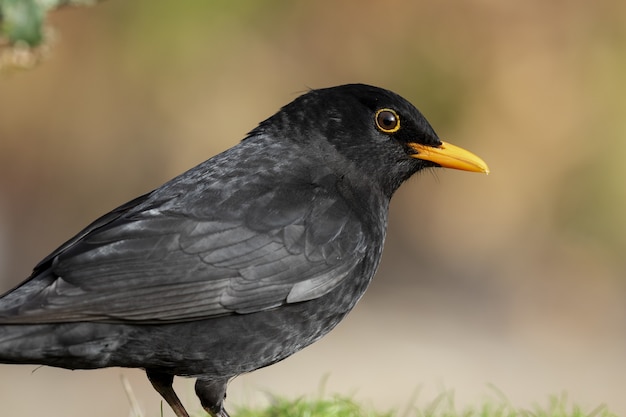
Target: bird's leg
x: 212, y: 394
x: 162, y: 383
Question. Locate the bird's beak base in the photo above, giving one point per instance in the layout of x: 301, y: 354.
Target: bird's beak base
x: 449, y: 156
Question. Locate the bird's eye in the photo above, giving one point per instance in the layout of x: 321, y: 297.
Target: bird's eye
x: 387, y: 121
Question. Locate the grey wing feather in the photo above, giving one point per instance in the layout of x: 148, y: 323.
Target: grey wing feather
x: 160, y: 266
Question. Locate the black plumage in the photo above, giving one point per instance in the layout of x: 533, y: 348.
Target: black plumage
x: 237, y: 263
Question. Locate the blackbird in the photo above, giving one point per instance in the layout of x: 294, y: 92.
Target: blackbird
x: 237, y: 263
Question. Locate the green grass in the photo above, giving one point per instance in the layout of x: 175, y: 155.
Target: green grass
x: 442, y: 406
x: 332, y: 407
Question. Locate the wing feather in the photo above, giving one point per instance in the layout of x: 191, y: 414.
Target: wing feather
x: 142, y: 263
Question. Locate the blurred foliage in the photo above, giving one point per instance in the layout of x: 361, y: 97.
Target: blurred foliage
x: 22, y: 20
x: 22, y: 32
x: 592, y: 197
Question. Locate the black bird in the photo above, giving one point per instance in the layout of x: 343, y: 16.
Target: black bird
x: 237, y: 263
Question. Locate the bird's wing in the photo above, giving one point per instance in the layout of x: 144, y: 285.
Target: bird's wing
x: 160, y: 265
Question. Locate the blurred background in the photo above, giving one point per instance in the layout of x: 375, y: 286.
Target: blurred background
x: 516, y: 279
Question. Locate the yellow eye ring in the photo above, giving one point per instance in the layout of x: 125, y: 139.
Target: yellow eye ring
x: 387, y: 121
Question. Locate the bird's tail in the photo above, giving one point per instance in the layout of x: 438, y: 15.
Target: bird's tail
x: 65, y: 345
x: 26, y: 343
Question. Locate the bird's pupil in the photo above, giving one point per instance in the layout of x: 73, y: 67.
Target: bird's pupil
x: 387, y: 119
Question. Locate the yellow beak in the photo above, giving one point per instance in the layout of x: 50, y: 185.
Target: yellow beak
x: 449, y: 156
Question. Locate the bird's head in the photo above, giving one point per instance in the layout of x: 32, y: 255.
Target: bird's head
x: 370, y: 131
